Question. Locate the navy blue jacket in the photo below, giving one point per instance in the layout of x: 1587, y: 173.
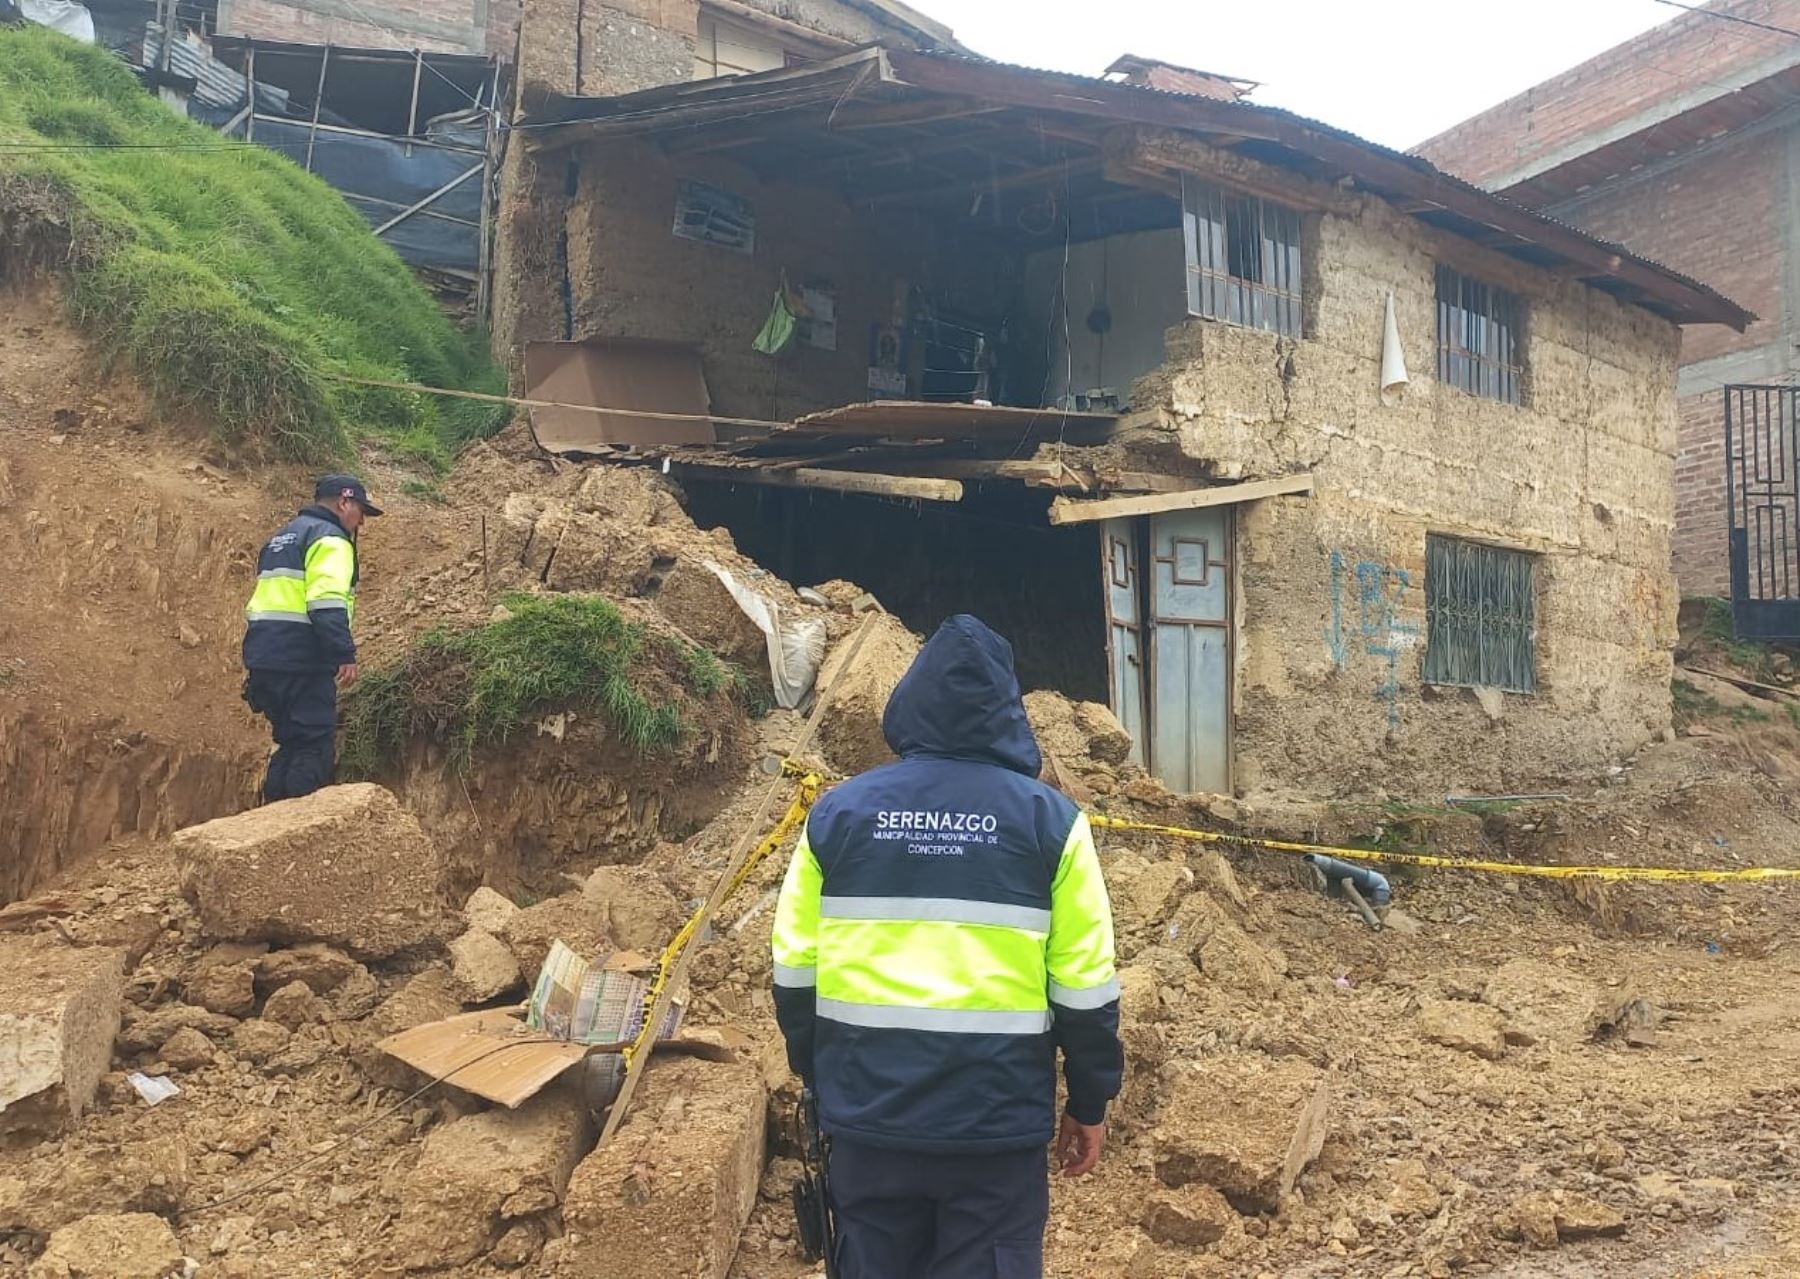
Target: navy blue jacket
x: 890, y: 1024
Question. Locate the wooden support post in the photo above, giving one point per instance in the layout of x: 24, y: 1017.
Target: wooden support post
x: 444, y: 190
x: 412, y: 112
x: 312, y: 136
x: 1070, y: 511
x: 250, y: 79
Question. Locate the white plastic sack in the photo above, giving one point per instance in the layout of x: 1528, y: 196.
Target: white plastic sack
x: 61, y: 15
x: 796, y: 647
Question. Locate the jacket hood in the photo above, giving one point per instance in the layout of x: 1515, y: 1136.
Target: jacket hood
x: 319, y: 512
x: 960, y: 700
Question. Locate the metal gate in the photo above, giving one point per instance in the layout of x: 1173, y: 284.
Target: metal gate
x: 1762, y: 442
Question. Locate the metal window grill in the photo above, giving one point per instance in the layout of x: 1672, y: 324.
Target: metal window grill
x: 1243, y: 258
x: 1478, y: 337
x: 1481, y: 616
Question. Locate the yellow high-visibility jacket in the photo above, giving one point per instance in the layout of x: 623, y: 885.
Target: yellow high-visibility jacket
x: 944, y: 927
x: 299, y: 616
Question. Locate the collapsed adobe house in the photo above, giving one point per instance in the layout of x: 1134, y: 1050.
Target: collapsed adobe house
x: 1110, y: 366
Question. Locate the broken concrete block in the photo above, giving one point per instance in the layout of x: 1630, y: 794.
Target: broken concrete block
x: 261, y: 1041
x: 1546, y: 1218
x: 1246, y: 1125
x: 132, y: 1245
x: 678, y: 1181
x: 59, y: 1015
x: 294, y: 1006
x: 483, y: 966
x: 320, y: 967
x: 188, y: 1049
x: 226, y: 989
x: 1470, y: 1028
x: 345, y: 865
x: 640, y: 912
x: 145, y: 1032
x: 488, y: 910
x: 477, y: 1173
x: 1192, y: 1217
x: 1542, y: 1002
x: 571, y: 918
x: 431, y: 996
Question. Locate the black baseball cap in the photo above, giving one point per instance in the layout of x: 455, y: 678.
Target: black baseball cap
x: 332, y: 487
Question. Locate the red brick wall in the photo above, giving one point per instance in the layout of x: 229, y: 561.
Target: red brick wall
x: 1719, y: 218
x: 1621, y: 83
x: 1701, y: 566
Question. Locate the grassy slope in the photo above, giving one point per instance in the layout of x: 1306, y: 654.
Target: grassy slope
x: 230, y: 280
x: 477, y: 687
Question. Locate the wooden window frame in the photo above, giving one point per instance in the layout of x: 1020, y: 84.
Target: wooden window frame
x: 1480, y: 337
x: 1244, y: 258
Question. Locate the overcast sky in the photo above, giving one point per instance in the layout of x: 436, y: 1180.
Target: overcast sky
x: 1394, y: 71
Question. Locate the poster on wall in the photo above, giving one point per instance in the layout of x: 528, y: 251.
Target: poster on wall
x: 887, y: 362
x: 713, y: 216
x: 820, y: 301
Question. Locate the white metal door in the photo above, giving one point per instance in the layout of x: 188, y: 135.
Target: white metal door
x: 1190, y: 657
x: 1124, y: 626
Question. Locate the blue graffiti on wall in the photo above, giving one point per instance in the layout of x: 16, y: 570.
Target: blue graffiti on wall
x: 1379, y: 632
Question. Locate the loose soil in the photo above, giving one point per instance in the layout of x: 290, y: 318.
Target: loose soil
x: 1649, y: 1035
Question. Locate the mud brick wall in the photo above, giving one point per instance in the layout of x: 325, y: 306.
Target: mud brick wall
x: 600, y: 48
x: 1331, y: 643
x: 436, y: 26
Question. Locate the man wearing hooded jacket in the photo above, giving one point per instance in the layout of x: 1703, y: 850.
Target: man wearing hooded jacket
x: 943, y: 930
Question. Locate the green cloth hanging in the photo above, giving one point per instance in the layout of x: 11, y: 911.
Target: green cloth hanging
x: 778, y: 330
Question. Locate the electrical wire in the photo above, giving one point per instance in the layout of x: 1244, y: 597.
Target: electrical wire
x: 1731, y: 17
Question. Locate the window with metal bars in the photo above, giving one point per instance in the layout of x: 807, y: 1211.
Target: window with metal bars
x: 1480, y: 616
x: 1243, y: 258
x: 1480, y: 338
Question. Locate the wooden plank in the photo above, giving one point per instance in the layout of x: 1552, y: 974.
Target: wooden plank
x: 869, y: 483
x: 1069, y: 511
x: 1741, y: 682
x: 436, y: 195
x: 925, y: 419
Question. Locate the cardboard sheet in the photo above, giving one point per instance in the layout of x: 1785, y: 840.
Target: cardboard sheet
x: 616, y: 373
x: 509, y: 1055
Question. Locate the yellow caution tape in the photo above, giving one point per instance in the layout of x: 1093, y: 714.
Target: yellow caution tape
x: 808, y: 786
x: 1665, y: 874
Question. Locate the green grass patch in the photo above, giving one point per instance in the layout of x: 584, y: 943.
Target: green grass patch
x: 1793, y: 713
x: 1720, y: 630
x: 475, y: 688
x: 1691, y: 702
x: 231, y: 282
x: 425, y: 491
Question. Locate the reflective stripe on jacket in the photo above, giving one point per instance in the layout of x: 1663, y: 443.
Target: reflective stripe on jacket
x: 944, y: 928
x: 299, y: 615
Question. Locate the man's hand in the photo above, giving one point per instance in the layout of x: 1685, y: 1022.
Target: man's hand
x: 1078, y: 1146
x: 346, y: 674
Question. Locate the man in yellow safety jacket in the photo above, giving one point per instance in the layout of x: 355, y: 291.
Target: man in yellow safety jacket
x: 943, y: 930
x: 297, y: 644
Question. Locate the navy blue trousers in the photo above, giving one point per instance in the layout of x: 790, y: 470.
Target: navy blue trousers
x: 301, y: 706
x: 911, y: 1216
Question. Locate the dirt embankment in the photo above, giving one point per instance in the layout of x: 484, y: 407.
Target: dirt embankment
x: 119, y: 707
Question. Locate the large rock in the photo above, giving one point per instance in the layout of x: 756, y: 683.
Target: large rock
x: 345, y: 865
x: 1190, y: 1217
x: 488, y: 910
x: 480, y: 1174
x: 1247, y: 1125
x: 59, y: 1015
x: 483, y: 966
x: 671, y: 1192
x: 850, y: 735
x: 573, y: 919
x: 322, y: 969
x: 1470, y: 1028
x: 133, y: 1245
x: 226, y: 989
x: 640, y: 912
x: 1545, y: 1218
x: 1543, y: 1003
